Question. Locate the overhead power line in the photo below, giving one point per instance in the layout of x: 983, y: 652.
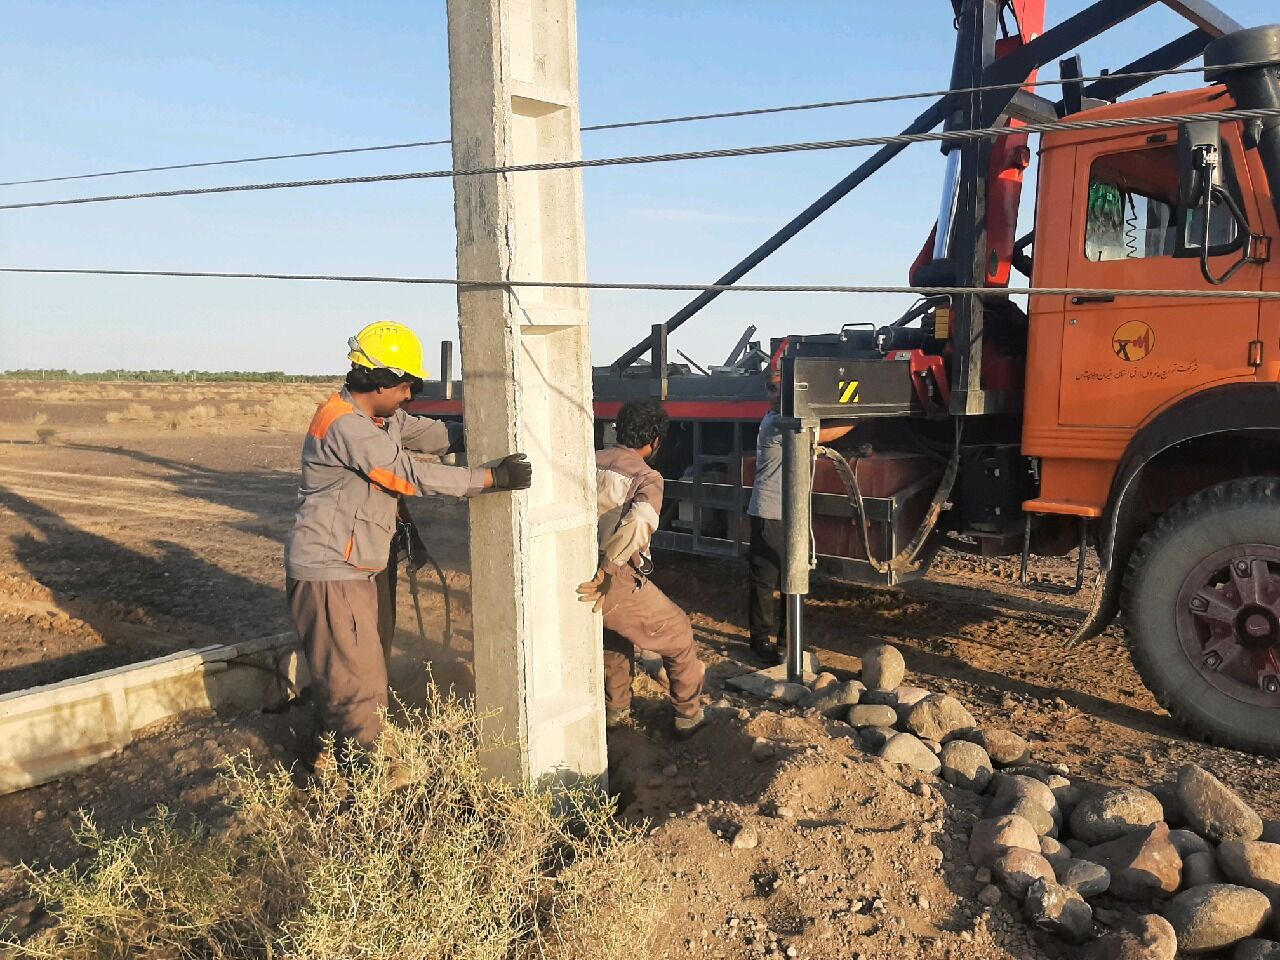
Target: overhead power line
x: 1213, y: 293
x: 659, y: 121
x: 978, y: 133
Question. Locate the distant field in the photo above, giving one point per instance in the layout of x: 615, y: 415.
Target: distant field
x: 52, y: 410
x: 164, y: 376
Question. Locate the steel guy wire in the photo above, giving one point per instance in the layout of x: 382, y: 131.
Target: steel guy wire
x: 1215, y: 293
x: 660, y: 121
x: 942, y: 136
x: 224, y: 163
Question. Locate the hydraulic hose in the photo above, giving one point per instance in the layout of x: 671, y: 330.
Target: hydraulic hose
x: 905, y: 560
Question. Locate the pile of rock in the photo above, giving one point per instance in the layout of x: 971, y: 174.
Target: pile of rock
x: 1189, y: 849
x: 1051, y: 847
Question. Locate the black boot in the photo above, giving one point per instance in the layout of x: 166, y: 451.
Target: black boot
x: 766, y: 651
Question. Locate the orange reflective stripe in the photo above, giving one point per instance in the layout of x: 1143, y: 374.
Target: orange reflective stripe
x: 387, y: 479
x: 351, y: 545
x: 326, y: 414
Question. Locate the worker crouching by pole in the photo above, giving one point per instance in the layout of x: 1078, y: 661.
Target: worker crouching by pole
x: 636, y: 613
x: 355, y: 468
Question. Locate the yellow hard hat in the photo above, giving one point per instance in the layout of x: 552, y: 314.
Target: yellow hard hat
x: 388, y: 345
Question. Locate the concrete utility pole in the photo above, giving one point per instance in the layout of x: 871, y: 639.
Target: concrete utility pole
x: 526, y: 370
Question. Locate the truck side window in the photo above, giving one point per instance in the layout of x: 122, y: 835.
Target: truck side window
x: 1133, y: 212
x: 1132, y: 209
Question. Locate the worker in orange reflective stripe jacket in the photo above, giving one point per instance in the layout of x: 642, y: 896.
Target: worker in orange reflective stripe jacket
x: 356, y: 466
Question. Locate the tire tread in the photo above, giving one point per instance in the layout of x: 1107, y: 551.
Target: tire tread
x: 1262, y: 491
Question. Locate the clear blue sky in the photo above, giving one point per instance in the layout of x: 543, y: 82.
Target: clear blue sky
x: 99, y: 86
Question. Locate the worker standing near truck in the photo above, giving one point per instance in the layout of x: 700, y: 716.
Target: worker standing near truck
x: 636, y: 613
x: 355, y: 468
x: 765, y: 621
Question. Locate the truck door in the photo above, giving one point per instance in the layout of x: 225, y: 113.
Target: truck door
x: 1124, y: 358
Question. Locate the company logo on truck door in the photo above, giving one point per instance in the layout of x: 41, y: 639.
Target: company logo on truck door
x: 849, y: 391
x: 1133, y: 341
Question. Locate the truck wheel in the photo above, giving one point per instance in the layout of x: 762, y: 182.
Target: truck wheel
x: 1202, y: 613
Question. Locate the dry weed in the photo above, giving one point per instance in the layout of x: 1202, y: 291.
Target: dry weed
x: 39, y: 417
x: 139, y: 411
x: 454, y: 865
x: 114, y: 416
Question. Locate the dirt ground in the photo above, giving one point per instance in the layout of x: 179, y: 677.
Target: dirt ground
x: 136, y: 520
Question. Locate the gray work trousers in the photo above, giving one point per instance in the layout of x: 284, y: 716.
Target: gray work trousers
x: 638, y: 614
x: 338, y: 623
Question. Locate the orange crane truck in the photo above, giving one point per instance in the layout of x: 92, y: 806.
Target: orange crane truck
x: 1143, y: 430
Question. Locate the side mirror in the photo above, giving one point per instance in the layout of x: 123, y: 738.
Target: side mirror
x: 1199, y: 161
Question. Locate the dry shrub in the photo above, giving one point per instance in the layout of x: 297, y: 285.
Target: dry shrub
x: 39, y: 417
x: 139, y: 411
x: 230, y: 410
x: 289, y: 412
x: 115, y: 416
x: 453, y: 865
x: 46, y: 434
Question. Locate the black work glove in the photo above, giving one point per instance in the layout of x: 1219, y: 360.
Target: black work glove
x: 513, y: 473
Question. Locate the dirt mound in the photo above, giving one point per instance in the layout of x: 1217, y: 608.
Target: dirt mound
x: 838, y: 854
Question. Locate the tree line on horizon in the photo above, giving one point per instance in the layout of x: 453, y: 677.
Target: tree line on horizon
x: 169, y: 376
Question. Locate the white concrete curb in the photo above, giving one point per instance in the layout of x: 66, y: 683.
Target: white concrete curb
x: 48, y: 732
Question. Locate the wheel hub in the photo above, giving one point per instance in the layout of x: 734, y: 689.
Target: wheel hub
x: 1229, y: 621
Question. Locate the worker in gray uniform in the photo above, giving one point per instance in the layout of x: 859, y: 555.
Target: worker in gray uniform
x: 355, y: 468
x: 636, y: 613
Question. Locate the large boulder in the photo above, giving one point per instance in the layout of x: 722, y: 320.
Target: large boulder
x: 1113, y: 813
x: 1251, y: 863
x: 1142, y: 864
x: 770, y: 684
x: 907, y: 697
x: 1059, y: 910
x: 1200, y: 869
x: 937, y: 716
x: 1006, y: 787
x: 1085, y: 877
x: 1002, y: 746
x: 991, y: 838
x: 1167, y: 793
x: 1033, y: 813
x: 883, y: 668
x: 1016, y: 870
x: 1256, y: 950
x: 1069, y: 796
x: 881, y: 698
x: 834, y: 699
x: 1213, y: 810
x: 1147, y: 937
x: 966, y: 765
x: 874, y: 738
x: 1189, y: 842
x: 1054, y: 852
x: 909, y: 751
x: 1215, y: 916
x: 871, y: 715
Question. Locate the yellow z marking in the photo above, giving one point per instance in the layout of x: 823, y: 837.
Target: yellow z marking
x: 849, y: 391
